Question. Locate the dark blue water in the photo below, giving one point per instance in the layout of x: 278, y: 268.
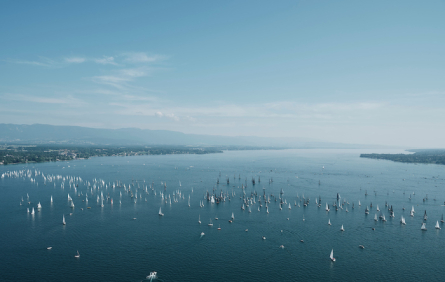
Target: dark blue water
x: 114, y: 246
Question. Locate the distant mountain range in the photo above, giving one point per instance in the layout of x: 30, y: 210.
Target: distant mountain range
x: 76, y: 135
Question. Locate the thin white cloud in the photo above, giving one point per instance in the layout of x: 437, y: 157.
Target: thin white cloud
x: 106, y: 61
x: 136, y: 72
x: 111, y: 80
x: 75, y: 60
x: 168, y: 115
x: 141, y: 57
x: 43, y: 100
x: 43, y: 62
x: 290, y: 112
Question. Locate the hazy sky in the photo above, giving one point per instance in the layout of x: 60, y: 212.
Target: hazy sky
x: 369, y: 72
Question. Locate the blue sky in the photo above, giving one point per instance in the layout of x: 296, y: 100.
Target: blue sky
x: 369, y: 72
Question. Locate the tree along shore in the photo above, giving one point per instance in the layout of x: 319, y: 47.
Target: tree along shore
x: 424, y: 156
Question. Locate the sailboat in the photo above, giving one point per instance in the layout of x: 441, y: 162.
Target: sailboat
x: 63, y: 220
x: 375, y: 217
x: 378, y: 208
x: 303, y: 217
x: 210, y: 224
x: 51, y: 199
x: 267, y: 209
x: 160, y: 212
x: 437, y: 225
x: 342, y: 229
x: 327, y: 207
x: 423, y: 228
x: 359, y: 203
x: 425, y: 217
x: 32, y: 212
x: 233, y: 216
x: 199, y: 219
x: 39, y: 206
x: 78, y: 255
x: 366, y: 210
x: 332, y: 255
x: 329, y: 221
x: 289, y: 206
x: 402, y: 220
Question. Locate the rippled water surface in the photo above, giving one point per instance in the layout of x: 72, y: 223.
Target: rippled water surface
x: 114, y: 246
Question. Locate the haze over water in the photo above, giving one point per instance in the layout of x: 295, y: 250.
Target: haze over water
x: 114, y: 246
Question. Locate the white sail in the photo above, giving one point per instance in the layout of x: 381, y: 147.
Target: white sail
x: 331, y: 256
x: 359, y: 203
x: 199, y: 219
x: 160, y: 212
x: 375, y: 217
x: 51, y: 199
x: 437, y: 225
x: 63, y: 219
x: 329, y: 222
x: 423, y: 226
x: 342, y: 229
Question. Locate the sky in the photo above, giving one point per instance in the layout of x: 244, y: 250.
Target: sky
x: 358, y: 72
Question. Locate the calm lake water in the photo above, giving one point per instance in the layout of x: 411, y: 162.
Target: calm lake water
x: 126, y: 241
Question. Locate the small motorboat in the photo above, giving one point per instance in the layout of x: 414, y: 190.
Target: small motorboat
x: 361, y: 246
x: 153, y: 275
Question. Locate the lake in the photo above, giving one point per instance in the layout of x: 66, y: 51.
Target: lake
x: 127, y: 240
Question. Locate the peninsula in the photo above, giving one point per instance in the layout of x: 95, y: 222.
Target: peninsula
x: 424, y: 156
